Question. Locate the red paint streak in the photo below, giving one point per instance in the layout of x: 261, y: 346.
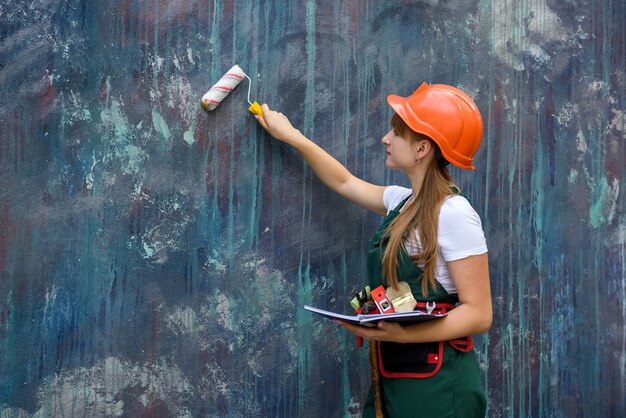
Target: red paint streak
x: 2, y: 145
x: 22, y: 142
x: 203, y: 360
x: 221, y: 88
x: 150, y: 17
x: 16, y: 134
x: 182, y: 22
x: 127, y: 23
x: 47, y: 98
x: 125, y: 31
x: 208, y: 175
x: 135, y: 213
x: 228, y: 11
x: 4, y: 236
x: 103, y: 89
x: 153, y: 336
x: 200, y: 132
x: 355, y: 17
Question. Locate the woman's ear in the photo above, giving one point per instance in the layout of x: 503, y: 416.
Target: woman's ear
x: 422, y: 147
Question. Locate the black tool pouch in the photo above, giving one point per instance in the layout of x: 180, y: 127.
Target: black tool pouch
x: 411, y: 360
x: 417, y: 360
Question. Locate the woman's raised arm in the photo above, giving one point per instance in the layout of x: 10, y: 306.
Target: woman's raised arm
x: 330, y: 171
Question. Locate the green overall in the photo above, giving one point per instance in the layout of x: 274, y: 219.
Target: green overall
x: 456, y: 389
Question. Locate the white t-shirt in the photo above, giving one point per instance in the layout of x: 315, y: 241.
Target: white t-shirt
x: 460, y: 233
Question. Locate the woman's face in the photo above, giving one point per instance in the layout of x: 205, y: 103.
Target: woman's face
x: 400, y: 151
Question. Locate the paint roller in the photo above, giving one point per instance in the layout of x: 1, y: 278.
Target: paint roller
x: 225, y: 85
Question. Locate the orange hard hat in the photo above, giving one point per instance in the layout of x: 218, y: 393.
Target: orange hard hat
x: 446, y: 115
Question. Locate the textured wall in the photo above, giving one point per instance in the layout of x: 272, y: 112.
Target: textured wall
x: 154, y: 257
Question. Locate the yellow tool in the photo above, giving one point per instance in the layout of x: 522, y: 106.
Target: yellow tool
x: 401, y: 298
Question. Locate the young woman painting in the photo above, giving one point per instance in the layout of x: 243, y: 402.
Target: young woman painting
x: 431, y: 238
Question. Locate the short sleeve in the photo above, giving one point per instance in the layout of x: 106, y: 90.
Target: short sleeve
x: 460, y: 230
x: 394, y: 195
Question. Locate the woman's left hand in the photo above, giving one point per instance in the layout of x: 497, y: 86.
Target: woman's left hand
x: 383, y: 331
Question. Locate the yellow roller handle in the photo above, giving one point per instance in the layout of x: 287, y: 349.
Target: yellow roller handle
x: 256, y: 109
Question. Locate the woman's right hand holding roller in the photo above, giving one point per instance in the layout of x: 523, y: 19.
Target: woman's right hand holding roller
x: 277, y: 124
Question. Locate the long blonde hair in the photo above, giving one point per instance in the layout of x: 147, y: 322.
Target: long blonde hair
x: 421, y: 215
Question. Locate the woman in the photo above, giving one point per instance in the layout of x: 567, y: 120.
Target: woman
x: 431, y: 238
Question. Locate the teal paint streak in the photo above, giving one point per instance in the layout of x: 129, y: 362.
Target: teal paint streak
x: 538, y: 214
x: 257, y: 155
x: 160, y: 125
x: 604, y: 195
x: 216, y: 71
x: 188, y: 137
x: 304, y: 276
x: 309, y: 113
x: 622, y: 267
x: 346, y: 394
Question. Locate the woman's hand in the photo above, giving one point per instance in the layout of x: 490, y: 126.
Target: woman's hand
x: 277, y: 124
x: 384, y: 331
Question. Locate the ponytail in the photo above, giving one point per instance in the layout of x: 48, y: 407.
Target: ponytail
x: 421, y: 215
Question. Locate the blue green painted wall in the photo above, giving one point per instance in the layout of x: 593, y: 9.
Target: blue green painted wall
x: 154, y: 257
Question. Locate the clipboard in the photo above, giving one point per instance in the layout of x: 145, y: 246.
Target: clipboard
x: 369, y: 320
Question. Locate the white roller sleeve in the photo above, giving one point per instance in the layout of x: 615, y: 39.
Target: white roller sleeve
x: 225, y: 85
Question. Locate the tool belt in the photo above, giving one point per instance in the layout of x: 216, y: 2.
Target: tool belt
x: 417, y: 360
